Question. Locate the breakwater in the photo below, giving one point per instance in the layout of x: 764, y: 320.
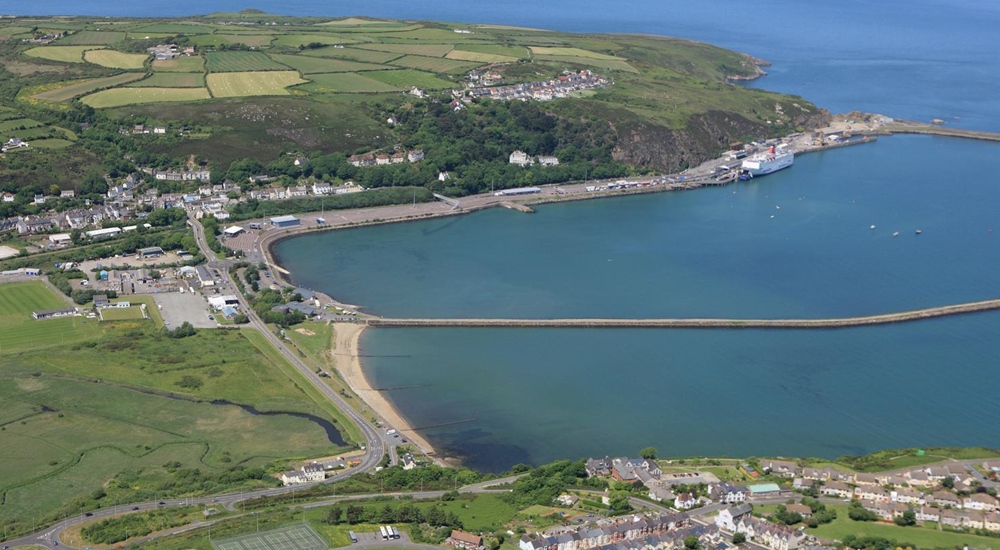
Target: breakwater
x: 843, y: 322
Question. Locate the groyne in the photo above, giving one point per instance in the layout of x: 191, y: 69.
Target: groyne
x: 842, y: 322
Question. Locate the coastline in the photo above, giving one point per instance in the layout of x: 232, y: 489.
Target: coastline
x: 346, y: 352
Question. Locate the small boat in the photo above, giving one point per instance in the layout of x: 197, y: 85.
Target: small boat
x: 918, y: 231
x: 872, y: 227
x: 895, y: 234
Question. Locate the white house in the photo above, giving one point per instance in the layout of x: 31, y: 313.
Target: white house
x: 520, y: 158
x: 685, y: 501
x: 322, y: 188
x: 728, y: 518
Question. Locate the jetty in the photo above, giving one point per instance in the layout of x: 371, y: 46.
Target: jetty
x: 843, y: 322
x: 518, y: 206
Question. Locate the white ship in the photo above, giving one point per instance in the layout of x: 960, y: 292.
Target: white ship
x: 771, y: 161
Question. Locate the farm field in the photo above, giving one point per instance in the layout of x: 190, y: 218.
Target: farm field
x: 102, y: 38
x: 601, y: 63
x: 518, y: 52
x: 431, y: 35
x: 429, y: 50
x: 357, y: 21
x: 116, y: 60
x: 570, y: 52
x: 296, y: 40
x: 134, y: 96
x: 254, y: 83
x: 19, y: 332
x: 311, y: 65
x: 51, y: 143
x: 346, y: 83
x: 480, y: 57
x: 216, y: 40
x: 173, y: 28
x: 182, y: 64
x: 405, y: 78
x: 65, y: 54
x: 9, y: 125
x: 171, y: 80
x: 225, y: 62
x: 366, y: 56
x: 86, y: 86
x: 434, y: 64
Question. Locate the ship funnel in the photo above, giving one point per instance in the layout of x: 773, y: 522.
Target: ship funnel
x: 771, y: 150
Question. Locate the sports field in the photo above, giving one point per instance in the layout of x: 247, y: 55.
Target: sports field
x: 293, y: 537
x: 313, y: 65
x: 171, y: 80
x: 116, y: 60
x: 252, y: 83
x: 66, y: 54
x: 121, y: 314
x: 434, y: 64
x: 135, y: 96
x: 87, y: 86
x: 18, y: 331
x: 184, y: 64
x: 225, y: 62
x: 347, y: 83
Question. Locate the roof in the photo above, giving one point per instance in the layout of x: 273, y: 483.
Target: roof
x: 466, y: 537
x: 233, y: 230
x: 284, y: 219
x: 764, y: 488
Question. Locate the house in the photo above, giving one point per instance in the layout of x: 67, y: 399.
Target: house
x: 408, y: 462
x: 520, y: 158
x: 415, y: 155
x: 950, y: 518
x: 9, y: 197
x: 971, y: 520
x: 398, y: 157
x: 907, y: 496
x: 297, y: 191
x: 918, y: 478
x: 101, y: 301
x: 874, y: 494
x: 159, y: 130
x: 461, y: 539
x: 444, y: 176
x: 727, y: 493
x: 800, y: 509
x: 661, y: 494
x: 382, y: 159
x: 991, y: 521
x: 728, y: 518
x: 926, y: 513
x: 67, y: 194
x: 548, y: 160
x: 322, y: 188
x: 837, y: 489
x: 944, y: 498
x: 598, y: 467
x: 866, y: 479
x: 685, y: 501
x: 39, y: 198
x: 988, y: 465
x: 980, y: 501
x: 782, y: 468
x: 800, y: 483
x: 568, y: 500
x: 301, y: 161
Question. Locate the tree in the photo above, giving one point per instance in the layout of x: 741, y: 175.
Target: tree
x: 739, y: 538
x: 648, y: 453
x: 907, y: 519
x: 691, y: 542
x: 948, y: 482
x: 619, y: 501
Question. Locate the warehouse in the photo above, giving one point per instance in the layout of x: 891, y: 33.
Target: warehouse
x: 285, y: 221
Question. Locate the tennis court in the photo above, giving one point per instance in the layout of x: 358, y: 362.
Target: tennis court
x: 295, y: 537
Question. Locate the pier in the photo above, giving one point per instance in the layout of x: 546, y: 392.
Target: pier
x: 843, y: 322
x: 518, y: 206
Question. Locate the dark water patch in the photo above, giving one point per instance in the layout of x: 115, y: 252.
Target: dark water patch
x: 332, y: 433
x: 479, y: 450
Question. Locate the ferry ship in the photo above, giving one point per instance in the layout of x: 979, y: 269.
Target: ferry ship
x: 775, y: 159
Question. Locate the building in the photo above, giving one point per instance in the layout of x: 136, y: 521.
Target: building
x: 408, y: 462
x: 204, y: 277
x: 461, y: 539
x: 306, y: 474
x: 53, y: 313
x: 764, y: 490
x: 285, y: 221
x: 520, y: 158
x: 151, y: 252
x: 61, y: 238
x: 685, y: 501
x: 101, y: 233
x: 220, y: 302
x: 415, y: 155
x: 548, y: 160
x: 729, y: 518
x: 232, y: 231
x: 101, y: 301
x: 322, y: 188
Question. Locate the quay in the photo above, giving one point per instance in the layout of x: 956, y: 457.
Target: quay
x: 518, y: 206
x: 843, y: 322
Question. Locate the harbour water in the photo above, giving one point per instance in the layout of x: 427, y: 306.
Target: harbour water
x: 544, y: 394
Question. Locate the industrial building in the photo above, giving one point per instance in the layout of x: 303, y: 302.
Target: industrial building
x: 285, y: 221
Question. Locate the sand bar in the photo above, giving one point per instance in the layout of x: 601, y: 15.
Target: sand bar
x: 346, y: 349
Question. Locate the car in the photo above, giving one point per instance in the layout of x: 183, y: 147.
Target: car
x: 161, y: 503
x: 89, y: 514
x: 135, y: 507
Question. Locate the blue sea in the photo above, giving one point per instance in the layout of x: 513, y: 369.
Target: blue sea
x: 797, y: 243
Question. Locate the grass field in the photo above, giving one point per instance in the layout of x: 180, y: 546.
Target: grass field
x: 354, y: 54
x: 173, y: 28
x: 133, y: 313
x: 19, y: 332
x: 429, y: 50
x: 480, y: 57
x: 136, y: 96
x: 602, y: 63
x: 434, y: 64
x: 65, y: 54
x: 296, y: 40
x: 224, y: 62
x: 312, y: 65
x: 9, y: 125
x: 116, y: 60
x: 357, y: 21
x: 102, y: 38
x: 86, y: 86
x: 51, y: 143
x: 922, y: 537
x: 171, y: 80
x: 183, y: 64
x: 569, y: 52
x: 252, y: 40
x: 255, y: 83
x: 405, y: 78
x: 431, y: 35
x: 348, y: 83
x: 517, y: 52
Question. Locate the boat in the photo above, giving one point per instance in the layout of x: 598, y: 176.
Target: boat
x: 895, y: 234
x: 872, y: 227
x: 773, y: 160
x: 919, y: 232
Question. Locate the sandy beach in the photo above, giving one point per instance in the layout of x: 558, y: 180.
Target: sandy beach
x: 346, y: 349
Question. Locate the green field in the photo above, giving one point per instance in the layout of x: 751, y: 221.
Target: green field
x: 569, y: 52
x: 171, y: 80
x: 86, y: 86
x: 312, y: 65
x: 173, y: 28
x: 517, y: 52
x: 252, y: 83
x: 133, y: 313
x: 52, y: 143
x: 346, y: 83
x: 434, y: 64
x: 17, y: 123
x: 19, y: 332
x: 601, y: 63
x: 429, y: 50
x: 183, y: 64
x: 431, y: 35
x: 116, y: 60
x: 405, y: 78
x: 224, y: 62
x: 101, y: 38
x: 137, y: 96
x: 296, y: 40
x: 366, y: 56
x: 922, y: 537
x: 357, y: 21
x: 65, y: 54
x: 480, y: 57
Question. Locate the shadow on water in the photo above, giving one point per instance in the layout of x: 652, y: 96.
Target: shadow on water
x: 478, y: 449
x: 445, y: 224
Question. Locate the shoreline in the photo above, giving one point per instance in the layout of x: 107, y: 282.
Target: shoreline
x: 346, y: 353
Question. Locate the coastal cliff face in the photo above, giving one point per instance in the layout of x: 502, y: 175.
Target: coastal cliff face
x: 669, y: 150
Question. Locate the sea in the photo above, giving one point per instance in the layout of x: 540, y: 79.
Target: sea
x: 816, y: 240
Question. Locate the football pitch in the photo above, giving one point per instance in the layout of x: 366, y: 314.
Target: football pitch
x: 294, y: 537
